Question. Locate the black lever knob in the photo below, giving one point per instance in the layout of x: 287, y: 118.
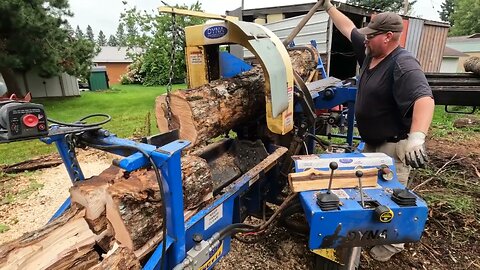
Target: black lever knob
x: 333, y: 166
x: 197, y: 238
x: 359, y: 174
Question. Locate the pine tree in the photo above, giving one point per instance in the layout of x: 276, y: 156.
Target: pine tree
x: 101, y: 40
x: 79, y: 33
x: 90, y: 34
x: 112, y: 41
x: 121, y: 40
x: 446, y: 13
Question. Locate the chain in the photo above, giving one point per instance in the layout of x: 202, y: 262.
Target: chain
x: 171, y: 73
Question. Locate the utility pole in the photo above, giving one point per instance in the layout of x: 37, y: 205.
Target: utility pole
x: 405, y: 7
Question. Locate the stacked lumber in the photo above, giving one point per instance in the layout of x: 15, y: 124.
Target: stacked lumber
x: 115, y: 221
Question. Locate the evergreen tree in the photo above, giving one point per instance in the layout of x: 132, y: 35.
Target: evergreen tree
x: 120, y: 35
x: 90, y: 34
x: 112, y: 41
x: 101, y: 40
x: 35, y: 34
x: 447, y: 11
x: 79, y: 33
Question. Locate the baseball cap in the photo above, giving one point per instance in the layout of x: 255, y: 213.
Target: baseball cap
x: 383, y: 22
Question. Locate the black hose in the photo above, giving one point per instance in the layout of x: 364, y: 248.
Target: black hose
x: 83, y: 119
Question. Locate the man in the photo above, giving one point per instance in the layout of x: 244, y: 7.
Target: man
x: 394, y: 105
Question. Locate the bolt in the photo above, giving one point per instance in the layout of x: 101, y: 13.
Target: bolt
x: 320, y: 234
x: 399, y: 213
x: 416, y: 219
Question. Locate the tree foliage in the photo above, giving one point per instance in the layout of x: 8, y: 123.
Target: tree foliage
x: 466, y: 17
x: 35, y: 34
x: 446, y: 12
x: 385, y: 5
x: 153, y: 38
x: 90, y: 34
x: 79, y: 33
x: 101, y: 40
x: 112, y: 41
x: 120, y: 35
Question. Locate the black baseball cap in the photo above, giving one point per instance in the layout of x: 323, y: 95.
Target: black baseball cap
x: 383, y: 22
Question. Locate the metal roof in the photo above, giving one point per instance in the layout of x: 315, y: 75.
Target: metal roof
x: 112, y: 55
x: 465, y: 43
x: 449, y: 52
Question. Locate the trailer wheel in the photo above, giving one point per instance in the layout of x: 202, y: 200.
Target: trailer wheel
x: 322, y: 263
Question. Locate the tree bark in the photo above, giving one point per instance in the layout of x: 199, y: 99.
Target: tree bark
x: 472, y: 64
x: 208, y: 111
x: 12, y: 85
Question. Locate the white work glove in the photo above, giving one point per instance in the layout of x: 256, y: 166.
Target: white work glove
x: 327, y: 4
x: 412, y: 150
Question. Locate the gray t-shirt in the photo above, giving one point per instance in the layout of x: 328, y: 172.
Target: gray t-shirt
x: 386, y: 93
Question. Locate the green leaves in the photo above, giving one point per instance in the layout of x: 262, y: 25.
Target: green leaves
x: 385, y: 5
x: 465, y: 17
x: 149, y: 37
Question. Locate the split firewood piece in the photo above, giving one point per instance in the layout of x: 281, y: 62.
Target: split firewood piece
x: 91, y: 195
x: 213, y: 109
x: 119, y: 257
x: 472, y: 64
x: 133, y: 207
x: 65, y: 243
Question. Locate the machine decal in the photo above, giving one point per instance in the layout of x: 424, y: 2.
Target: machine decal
x: 196, y: 58
x: 213, y: 216
x: 358, y: 236
x: 215, y: 32
x: 340, y: 193
x: 214, y: 256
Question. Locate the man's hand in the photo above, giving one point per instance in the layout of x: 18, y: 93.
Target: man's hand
x: 412, y: 150
x: 327, y: 4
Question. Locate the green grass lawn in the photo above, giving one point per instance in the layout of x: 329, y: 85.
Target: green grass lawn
x: 127, y: 104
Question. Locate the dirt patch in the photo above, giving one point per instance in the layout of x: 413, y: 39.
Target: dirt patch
x: 28, y: 200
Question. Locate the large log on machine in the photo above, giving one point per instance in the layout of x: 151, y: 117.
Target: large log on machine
x: 213, y: 109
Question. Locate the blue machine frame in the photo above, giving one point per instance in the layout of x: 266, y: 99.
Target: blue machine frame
x: 221, y: 213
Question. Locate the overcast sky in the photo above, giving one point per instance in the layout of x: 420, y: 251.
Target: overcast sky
x: 104, y: 14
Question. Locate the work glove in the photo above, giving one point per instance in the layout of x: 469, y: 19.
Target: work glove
x: 327, y: 4
x: 412, y: 150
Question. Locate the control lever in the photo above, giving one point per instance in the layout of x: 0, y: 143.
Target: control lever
x: 333, y: 166
x: 359, y: 174
x: 328, y: 201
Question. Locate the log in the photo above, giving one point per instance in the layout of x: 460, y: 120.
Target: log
x: 210, y: 110
x: 65, y: 243
x: 133, y: 205
x: 33, y: 164
x: 119, y: 257
x: 304, y: 61
x: 472, y: 64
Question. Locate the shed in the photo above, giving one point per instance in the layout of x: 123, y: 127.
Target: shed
x: 63, y: 85
x: 116, y: 61
x: 425, y: 39
x: 451, y: 61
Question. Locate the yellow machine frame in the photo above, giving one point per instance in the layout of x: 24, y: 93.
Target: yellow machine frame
x: 265, y: 45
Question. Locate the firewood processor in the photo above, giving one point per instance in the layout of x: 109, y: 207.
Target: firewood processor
x: 269, y: 170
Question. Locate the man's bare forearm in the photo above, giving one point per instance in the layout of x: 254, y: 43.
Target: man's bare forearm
x: 422, y: 114
x: 342, y: 22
